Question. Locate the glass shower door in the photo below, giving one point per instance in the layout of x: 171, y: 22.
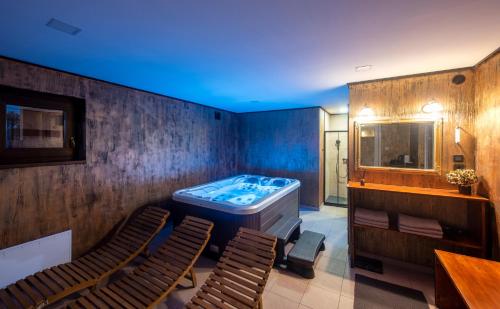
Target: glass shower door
x: 336, y: 168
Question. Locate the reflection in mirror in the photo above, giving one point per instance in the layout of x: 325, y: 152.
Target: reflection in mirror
x: 397, y: 145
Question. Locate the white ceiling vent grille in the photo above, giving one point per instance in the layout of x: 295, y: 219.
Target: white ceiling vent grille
x: 63, y: 27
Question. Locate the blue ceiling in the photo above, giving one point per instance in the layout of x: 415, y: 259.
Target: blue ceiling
x: 250, y: 55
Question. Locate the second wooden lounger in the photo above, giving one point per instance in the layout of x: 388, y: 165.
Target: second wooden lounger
x: 55, y: 283
x: 151, y: 282
x: 240, y: 277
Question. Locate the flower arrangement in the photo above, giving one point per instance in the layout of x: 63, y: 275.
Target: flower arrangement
x: 465, y: 177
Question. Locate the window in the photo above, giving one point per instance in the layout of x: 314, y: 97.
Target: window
x: 40, y: 128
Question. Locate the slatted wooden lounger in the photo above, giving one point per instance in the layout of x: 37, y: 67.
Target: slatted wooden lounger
x: 53, y: 284
x: 239, y: 278
x: 156, y: 278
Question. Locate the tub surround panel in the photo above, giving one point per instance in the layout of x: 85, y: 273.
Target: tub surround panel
x: 283, y: 144
x: 488, y: 135
x: 141, y: 147
x: 403, y: 98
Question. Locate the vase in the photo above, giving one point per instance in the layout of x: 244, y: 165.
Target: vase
x: 467, y: 190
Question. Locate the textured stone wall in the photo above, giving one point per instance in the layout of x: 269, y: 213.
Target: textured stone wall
x: 141, y: 147
x: 488, y: 137
x: 284, y: 143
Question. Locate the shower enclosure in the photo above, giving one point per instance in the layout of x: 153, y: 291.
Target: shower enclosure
x: 336, y: 168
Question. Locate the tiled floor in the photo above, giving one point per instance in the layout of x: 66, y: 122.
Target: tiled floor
x: 333, y: 286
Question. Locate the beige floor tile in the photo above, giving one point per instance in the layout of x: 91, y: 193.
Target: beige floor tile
x: 346, y: 302
x: 319, y: 298
x: 273, y: 301
x: 290, y: 286
x: 330, y: 264
x: 328, y: 281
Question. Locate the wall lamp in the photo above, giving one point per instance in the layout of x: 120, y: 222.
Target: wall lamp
x: 366, y: 112
x: 432, y: 107
x: 457, y: 135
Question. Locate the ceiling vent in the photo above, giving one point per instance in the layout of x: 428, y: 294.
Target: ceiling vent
x: 63, y: 27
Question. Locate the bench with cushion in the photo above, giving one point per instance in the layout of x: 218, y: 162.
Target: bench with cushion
x: 55, y: 283
x: 286, y: 229
x: 303, y: 254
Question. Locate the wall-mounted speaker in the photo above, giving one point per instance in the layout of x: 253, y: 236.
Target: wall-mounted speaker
x: 458, y: 79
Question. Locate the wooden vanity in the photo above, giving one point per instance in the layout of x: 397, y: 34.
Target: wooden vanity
x: 465, y: 215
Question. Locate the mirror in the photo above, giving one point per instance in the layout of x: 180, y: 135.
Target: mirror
x: 405, y: 145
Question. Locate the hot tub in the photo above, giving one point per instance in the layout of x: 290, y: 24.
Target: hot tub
x: 251, y: 201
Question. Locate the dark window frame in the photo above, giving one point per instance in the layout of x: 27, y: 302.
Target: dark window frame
x: 74, y: 128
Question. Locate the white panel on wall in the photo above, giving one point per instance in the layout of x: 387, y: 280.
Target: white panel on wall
x: 338, y: 122
x: 19, y: 261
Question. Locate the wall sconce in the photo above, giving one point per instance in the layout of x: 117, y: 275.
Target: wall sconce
x: 366, y: 112
x: 457, y: 135
x: 432, y: 107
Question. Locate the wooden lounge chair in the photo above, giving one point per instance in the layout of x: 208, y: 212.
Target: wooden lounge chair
x: 156, y: 278
x: 53, y: 284
x: 239, y: 278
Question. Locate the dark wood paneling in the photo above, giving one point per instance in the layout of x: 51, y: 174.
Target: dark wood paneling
x: 284, y: 144
x: 403, y: 98
x: 488, y: 135
x: 140, y: 148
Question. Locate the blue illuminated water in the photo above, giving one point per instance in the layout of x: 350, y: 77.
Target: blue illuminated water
x: 241, y: 190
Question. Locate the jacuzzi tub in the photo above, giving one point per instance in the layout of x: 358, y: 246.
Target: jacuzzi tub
x: 244, y: 194
x: 251, y: 201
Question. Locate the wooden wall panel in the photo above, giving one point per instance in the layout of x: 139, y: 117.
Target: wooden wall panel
x: 403, y: 98
x: 488, y: 134
x: 283, y: 143
x: 140, y: 148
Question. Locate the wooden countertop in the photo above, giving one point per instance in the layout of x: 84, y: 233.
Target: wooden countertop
x: 477, y: 280
x: 414, y: 190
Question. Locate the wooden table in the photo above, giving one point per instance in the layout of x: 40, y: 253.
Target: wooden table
x: 466, y: 282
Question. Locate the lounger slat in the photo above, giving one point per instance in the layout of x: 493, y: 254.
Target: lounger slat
x: 79, y: 271
x: 125, y: 296
x: 140, y: 288
x: 219, y: 286
x: 44, y: 290
x: 153, y: 279
x: 134, y: 296
x: 103, y: 297
x: 103, y: 259
x: 96, y: 302
x: 7, y: 299
x: 85, y: 304
x: 146, y: 284
x: 78, y: 263
x: 64, y: 276
x: 251, y: 293
x: 72, y: 273
x: 27, y: 289
x: 116, y: 298
x: 24, y: 300
x: 251, y: 285
x: 48, y: 282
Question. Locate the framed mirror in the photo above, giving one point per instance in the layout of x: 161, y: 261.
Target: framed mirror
x: 405, y: 145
